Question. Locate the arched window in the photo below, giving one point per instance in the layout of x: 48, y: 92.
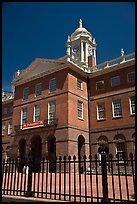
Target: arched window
x: 121, y: 149
x: 103, y: 143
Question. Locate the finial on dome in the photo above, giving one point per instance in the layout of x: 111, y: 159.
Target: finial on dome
x: 80, y: 23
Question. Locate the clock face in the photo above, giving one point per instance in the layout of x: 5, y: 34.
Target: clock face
x: 75, y: 48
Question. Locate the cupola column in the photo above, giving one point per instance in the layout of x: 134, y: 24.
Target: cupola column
x: 86, y: 52
x: 81, y: 51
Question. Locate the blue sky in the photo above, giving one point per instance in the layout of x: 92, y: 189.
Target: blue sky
x: 39, y: 29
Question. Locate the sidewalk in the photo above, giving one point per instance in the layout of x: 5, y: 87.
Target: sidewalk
x: 10, y: 198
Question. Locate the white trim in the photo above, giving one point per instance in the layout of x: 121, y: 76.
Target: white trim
x: 130, y: 105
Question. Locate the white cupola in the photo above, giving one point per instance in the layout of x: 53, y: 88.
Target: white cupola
x: 80, y: 45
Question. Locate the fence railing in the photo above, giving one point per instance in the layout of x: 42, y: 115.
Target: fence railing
x: 71, y: 179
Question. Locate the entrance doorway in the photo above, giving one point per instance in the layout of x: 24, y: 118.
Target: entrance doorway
x: 22, y: 154
x: 81, y: 152
x: 36, y: 153
x: 52, y: 153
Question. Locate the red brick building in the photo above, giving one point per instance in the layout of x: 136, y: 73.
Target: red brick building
x: 71, y: 105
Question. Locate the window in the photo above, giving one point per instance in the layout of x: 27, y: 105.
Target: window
x: 11, y: 109
x: 25, y: 93
x: 79, y: 84
x: 101, y: 111
x: 80, y: 109
x: 38, y: 89
x: 52, y: 85
x: 5, y: 110
x: 3, y: 128
x: 132, y: 105
x: 24, y: 116
x: 117, y: 109
x: 10, y: 127
x: 36, y: 113
x: 115, y: 81
x: 121, y: 150
x: 131, y: 77
x: 99, y: 85
x: 51, y: 111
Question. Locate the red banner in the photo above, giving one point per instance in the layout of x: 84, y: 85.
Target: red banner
x: 39, y: 123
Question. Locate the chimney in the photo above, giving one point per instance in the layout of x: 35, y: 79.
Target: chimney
x: 91, y: 61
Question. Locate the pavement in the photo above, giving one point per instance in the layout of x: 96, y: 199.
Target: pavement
x: 10, y: 198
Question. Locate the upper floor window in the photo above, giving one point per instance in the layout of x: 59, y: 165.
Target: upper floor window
x: 24, y: 116
x: 51, y: 111
x: 99, y: 85
x: 79, y: 84
x: 5, y: 111
x: 80, y: 109
x: 52, y: 85
x: 25, y: 93
x: 101, y: 111
x: 131, y: 77
x: 117, y: 108
x: 10, y: 127
x: 38, y: 89
x: 132, y: 105
x: 115, y: 81
x: 36, y: 113
x: 3, y: 128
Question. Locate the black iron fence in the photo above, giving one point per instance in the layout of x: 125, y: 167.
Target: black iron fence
x: 72, y: 179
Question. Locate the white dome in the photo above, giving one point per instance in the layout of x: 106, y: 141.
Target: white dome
x: 80, y: 32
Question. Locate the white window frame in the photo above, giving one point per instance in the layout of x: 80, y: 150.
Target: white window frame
x: 121, y: 151
x: 52, y: 85
x: 132, y: 78
x: 3, y: 128
x: 100, y: 111
x: 38, y: 89
x: 80, y: 109
x: 98, y: 83
x: 115, y: 81
x: 132, y: 106
x: 34, y: 118
x: 114, y: 108
x: 22, y: 115
x: 51, y: 113
x: 79, y: 84
x: 10, y: 127
x: 26, y: 93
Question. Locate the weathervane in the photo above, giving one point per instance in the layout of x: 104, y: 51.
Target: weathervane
x: 80, y: 23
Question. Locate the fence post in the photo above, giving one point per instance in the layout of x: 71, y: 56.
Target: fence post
x: 29, y: 192
x: 103, y: 151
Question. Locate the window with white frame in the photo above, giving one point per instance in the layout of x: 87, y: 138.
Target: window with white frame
x: 132, y: 105
x: 24, y: 116
x: 131, y: 77
x: 79, y: 84
x: 25, y: 93
x: 100, y: 85
x: 51, y: 111
x: 121, y: 150
x: 10, y: 127
x: 38, y: 89
x: 117, y: 108
x: 101, y: 111
x: 52, y: 85
x: 80, y: 109
x: 3, y: 128
x: 115, y: 81
x: 36, y: 113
